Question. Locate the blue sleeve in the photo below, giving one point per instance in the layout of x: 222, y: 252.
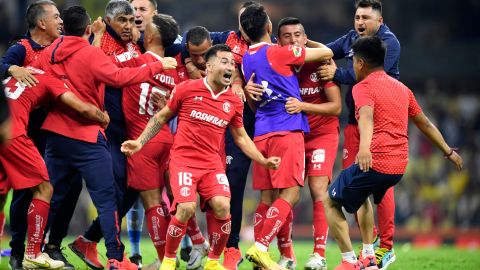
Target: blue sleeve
x: 219, y: 37
x: 392, y: 57
x: 15, y: 55
x: 345, y: 76
x: 337, y: 47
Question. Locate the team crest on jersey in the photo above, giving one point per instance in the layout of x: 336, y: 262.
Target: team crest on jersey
x: 226, y: 107
x: 314, y: 77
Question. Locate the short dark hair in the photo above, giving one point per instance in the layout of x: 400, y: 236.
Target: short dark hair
x: 287, y: 21
x: 248, y: 3
x: 197, y: 35
x: 375, y: 4
x: 75, y: 21
x: 371, y: 50
x: 253, y: 21
x: 36, y: 11
x: 168, y: 28
x: 153, y: 2
x: 212, y: 52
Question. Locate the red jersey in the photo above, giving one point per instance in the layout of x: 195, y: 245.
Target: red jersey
x: 88, y: 69
x: 393, y: 103
x: 203, y: 117
x: 22, y: 100
x: 312, y: 90
x: 138, y: 107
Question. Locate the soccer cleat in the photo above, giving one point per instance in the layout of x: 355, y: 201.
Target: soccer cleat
x: 350, y: 266
x: 15, y: 262
x: 316, y: 262
x: 56, y: 253
x: 168, y: 264
x: 384, y: 257
x: 232, y: 258
x: 213, y: 265
x: 136, y: 259
x: 42, y: 261
x: 376, y: 242
x: 87, y: 251
x: 287, y: 263
x: 155, y: 265
x: 262, y: 259
x: 125, y: 264
x: 196, y: 255
x: 369, y: 263
x: 185, y: 248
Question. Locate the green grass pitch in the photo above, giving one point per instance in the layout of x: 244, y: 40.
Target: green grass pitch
x: 408, y: 258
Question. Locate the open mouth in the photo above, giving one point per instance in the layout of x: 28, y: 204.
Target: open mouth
x: 227, y: 76
x: 361, y: 30
x: 138, y: 22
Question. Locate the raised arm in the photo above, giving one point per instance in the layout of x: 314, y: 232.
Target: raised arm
x: 156, y: 123
x: 318, y: 54
x: 247, y: 146
x: 433, y: 134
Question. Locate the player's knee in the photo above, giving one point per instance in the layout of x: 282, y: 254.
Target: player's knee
x: 186, y: 210
x: 44, y: 191
x: 220, y: 206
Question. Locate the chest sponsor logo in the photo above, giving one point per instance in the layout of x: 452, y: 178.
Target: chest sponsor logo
x: 208, y: 118
x: 309, y: 91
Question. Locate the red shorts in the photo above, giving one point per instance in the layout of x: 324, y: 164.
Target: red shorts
x: 22, y: 166
x: 290, y: 147
x: 320, y: 154
x: 350, y: 145
x: 146, y: 169
x: 185, y: 182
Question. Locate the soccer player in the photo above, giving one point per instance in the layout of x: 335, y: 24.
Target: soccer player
x: 44, y: 26
x: 322, y: 104
x: 383, y: 107
x: 205, y: 108
x: 277, y: 132
x: 22, y: 166
x: 75, y: 147
x: 368, y: 22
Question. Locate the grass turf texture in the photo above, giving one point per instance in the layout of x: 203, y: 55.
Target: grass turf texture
x: 446, y: 257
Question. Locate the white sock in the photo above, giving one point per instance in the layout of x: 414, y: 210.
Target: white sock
x: 368, y: 250
x: 261, y: 247
x: 349, y: 256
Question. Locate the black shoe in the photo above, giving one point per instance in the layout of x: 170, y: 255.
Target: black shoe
x: 15, y: 262
x: 136, y: 259
x: 55, y: 253
x: 185, y: 253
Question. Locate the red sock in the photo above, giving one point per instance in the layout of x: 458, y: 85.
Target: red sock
x: 274, y: 219
x: 218, y: 233
x: 386, y: 219
x: 320, y: 228
x: 194, y: 231
x: 175, y: 232
x: 157, y: 223
x: 2, y: 223
x: 284, y: 237
x: 259, y: 219
x: 36, y: 219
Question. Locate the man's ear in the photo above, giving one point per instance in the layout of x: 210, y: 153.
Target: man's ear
x: 41, y: 24
x: 88, y: 30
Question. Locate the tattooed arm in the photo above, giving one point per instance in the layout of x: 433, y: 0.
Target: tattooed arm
x: 130, y: 147
x: 85, y: 109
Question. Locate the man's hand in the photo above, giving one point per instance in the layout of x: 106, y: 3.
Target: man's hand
x: 106, y: 120
x: 272, y: 163
x: 159, y: 99
x: 168, y: 63
x: 23, y: 75
x: 293, y: 105
x: 193, y: 71
x: 135, y: 35
x: 130, y: 147
x: 364, y: 160
x: 327, y: 72
x: 254, y: 90
x: 238, y: 90
x: 456, y: 159
x: 99, y: 27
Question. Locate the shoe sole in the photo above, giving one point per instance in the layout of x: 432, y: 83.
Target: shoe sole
x: 82, y: 257
x: 393, y: 258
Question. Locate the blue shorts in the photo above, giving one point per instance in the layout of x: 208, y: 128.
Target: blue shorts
x: 352, y: 187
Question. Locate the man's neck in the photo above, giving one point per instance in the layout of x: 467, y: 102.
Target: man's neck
x: 157, y: 49
x: 41, y: 38
x: 265, y: 39
x: 216, y: 88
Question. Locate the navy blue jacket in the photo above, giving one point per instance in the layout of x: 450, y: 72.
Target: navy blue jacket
x: 342, y: 49
x: 15, y: 55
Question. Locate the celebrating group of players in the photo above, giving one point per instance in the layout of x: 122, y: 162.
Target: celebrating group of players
x: 132, y: 109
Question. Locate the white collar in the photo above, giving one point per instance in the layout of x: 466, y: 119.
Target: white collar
x: 214, y: 96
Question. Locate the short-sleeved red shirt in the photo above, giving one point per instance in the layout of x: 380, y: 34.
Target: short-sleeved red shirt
x: 312, y: 90
x: 393, y: 103
x: 203, y: 117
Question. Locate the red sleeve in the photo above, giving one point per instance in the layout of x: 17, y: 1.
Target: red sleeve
x: 126, y: 59
x: 283, y: 58
x: 54, y: 86
x: 105, y: 71
x: 175, y: 101
x: 362, y: 97
x: 237, y: 120
x: 413, y: 107
x: 328, y: 84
